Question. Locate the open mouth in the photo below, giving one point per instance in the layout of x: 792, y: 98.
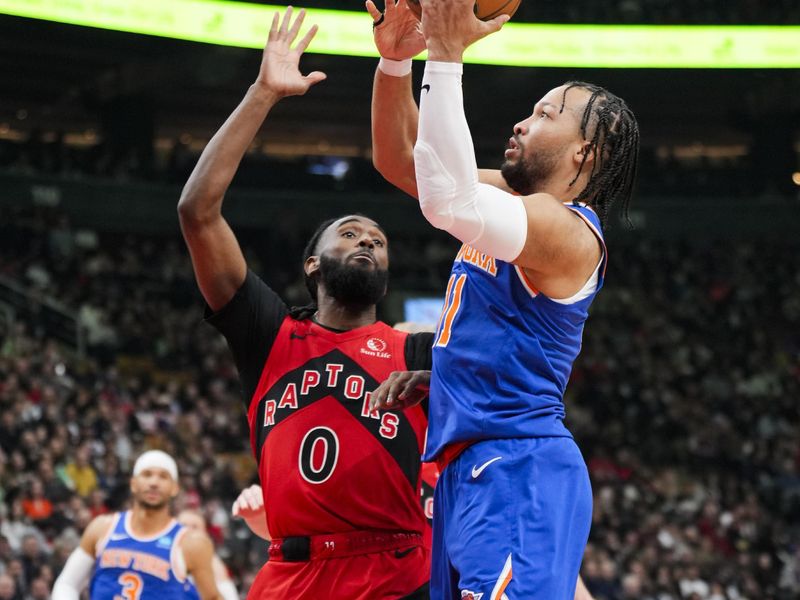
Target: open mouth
x: 512, y: 149
x: 365, y: 257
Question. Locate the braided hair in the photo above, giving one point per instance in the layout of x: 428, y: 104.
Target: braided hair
x: 614, y: 143
x: 304, y: 312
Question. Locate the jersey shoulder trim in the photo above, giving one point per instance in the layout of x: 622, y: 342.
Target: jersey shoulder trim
x: 103, y: 541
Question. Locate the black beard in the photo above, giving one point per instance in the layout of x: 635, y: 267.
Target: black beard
x: 152, y: 505
x: 352, y: 285
x: 528, y: 175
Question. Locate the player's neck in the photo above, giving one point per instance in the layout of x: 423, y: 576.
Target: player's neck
x: 146, y: 522
x: 335, y: 315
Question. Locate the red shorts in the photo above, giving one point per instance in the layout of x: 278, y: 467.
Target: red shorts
x: 388, y: 575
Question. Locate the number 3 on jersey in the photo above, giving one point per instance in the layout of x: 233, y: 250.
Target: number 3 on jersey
x: 131, y: 586
x: 452, y: 302
x: 319, y: 452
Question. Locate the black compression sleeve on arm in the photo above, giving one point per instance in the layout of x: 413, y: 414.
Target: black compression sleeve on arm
x: 250, y: 323
x: 418, y: 351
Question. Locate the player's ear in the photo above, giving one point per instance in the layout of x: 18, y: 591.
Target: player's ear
x: 584, y: 149
x: 311, y: 265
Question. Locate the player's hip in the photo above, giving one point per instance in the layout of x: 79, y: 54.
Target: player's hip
x: 389, y: 575
x: 472, y: 427
x: 514, y: 517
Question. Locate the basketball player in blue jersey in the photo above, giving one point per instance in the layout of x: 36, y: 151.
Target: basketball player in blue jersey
x: 143, y: 553
x: 195, y: 521
x: 513, y: 503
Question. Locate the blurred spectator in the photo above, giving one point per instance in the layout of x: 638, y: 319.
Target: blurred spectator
x: 81, y: 473
x: 55, y: 488
x: 35, y: 505
x: 33, y: 558
x: 39, y: 590
x: 8, y: 589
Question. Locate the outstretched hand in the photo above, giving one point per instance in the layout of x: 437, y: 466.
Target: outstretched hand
x: 400, y: 390
x: 398, y: 34
x: 450, y: 27
x: 280, y: 72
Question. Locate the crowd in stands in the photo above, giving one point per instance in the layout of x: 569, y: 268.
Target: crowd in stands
x: 662, y: 173
x: 684, y: 402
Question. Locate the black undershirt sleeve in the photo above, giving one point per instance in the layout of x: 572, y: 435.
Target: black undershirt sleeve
x: 418, y: 351
x: 419, y: 348
x: 250, y: 323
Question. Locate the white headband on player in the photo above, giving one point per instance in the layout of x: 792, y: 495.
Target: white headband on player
x: 156, y: 459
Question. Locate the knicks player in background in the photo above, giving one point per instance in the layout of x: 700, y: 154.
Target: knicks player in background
x: 340, y: 482
x: 143, y: 553
x: 193, y: 520
x: 513, y: 504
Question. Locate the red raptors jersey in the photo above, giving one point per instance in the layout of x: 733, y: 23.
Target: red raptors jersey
x: 328, y: 464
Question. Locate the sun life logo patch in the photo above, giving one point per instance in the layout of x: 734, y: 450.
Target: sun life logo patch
x: 376, y: 347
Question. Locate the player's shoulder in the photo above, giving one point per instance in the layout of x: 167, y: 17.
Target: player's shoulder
x: 99, y: 527
x: 103, y: 521
x: 193, y: 541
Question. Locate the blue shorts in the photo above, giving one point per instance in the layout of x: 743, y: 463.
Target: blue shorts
x: 511, y: 519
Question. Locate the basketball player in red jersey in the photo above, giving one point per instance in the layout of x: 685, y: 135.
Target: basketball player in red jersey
x: 341, y: 482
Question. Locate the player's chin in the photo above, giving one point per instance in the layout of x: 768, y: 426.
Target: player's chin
x: 153, y: 504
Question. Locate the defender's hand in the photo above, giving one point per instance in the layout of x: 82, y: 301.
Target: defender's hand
x: 249, y: 504
x: 397, y: 34
x: 280, y: 73
x: 401, y: 389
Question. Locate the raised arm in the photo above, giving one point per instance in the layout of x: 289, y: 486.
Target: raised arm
x: 536, y: 232
x: 398, y: 38
x: 218, y: 262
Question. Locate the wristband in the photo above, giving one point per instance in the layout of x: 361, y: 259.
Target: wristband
x: 395, y: 68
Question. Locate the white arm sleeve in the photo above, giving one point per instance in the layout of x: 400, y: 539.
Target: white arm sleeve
x: 227, y: 590
x: 74, y: 577
x: 489, y: 219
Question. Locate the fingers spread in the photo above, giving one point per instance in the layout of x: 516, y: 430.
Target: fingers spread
x: 287, y: 17
x: 315, y: 77
x: 273, y: 30
x: 298, y: 22
x: 373, y: 10
x: 301, y: 47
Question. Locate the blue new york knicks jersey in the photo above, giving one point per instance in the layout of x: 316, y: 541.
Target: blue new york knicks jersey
x: 503, y: 353
x: 133, y: 568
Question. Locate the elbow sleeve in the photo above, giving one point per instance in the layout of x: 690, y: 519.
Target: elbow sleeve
x: 74, y: 576
x: 451, y: 198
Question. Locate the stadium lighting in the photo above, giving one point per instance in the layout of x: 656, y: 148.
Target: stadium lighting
x: 348, y: 33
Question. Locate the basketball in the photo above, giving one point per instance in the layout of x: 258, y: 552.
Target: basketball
x: 484, y: 9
